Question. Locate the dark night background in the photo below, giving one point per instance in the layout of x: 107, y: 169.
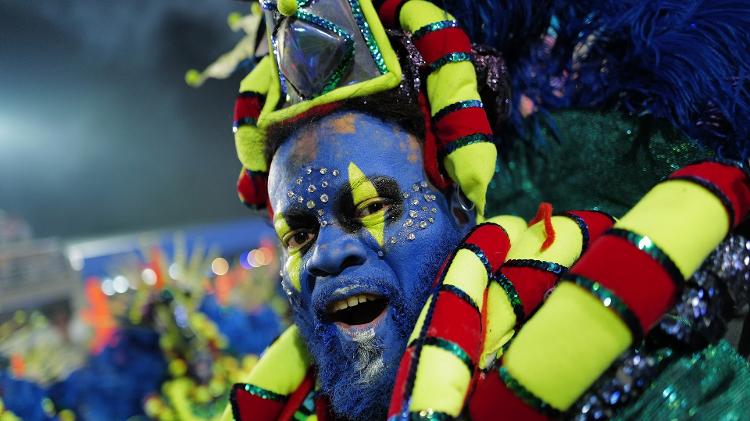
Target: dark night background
x: 98, y: 131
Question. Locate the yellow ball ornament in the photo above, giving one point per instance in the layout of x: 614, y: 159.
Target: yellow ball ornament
x: 287, y: 7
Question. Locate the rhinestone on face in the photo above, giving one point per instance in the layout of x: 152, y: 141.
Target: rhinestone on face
x: 320, y: 212
x: 380, y: 253
x: 300, y: 199
x: 433, y: 210
x: 299, y: 180
x: 423, y: 224
x: 431, y: 220
x: 335, y: 173
x: 290, y: 194
x: 393, y: 240
x: 413, y: 213
x: 411, y: 236
x: 311, y: 188
x: 415, y: 187
x: 323, y: 170
x: 308, y: 170
x: 409, y: 222
x: 310, y: 204
x: 423, y: 184
x: 323, y: 223
x: 324, y: 198
x: 324, y: 184
x: 415, y: 202
x: 425, y: 208
x: 405, y: 195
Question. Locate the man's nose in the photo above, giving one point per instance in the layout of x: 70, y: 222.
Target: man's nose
x: 334, y: 251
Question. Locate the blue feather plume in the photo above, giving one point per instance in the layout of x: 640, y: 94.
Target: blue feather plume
x: 685, y: 61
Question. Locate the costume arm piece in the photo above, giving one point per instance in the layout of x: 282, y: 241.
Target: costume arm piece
x: 446, y: 342
x: 618, y: 290
x: 531, y: 270
x: 463, y: 132
x: 275, y: 382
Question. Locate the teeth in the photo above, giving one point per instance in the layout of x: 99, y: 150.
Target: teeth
x: 352, y: 301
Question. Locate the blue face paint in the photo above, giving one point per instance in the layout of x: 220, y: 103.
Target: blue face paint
x: 364, y: 234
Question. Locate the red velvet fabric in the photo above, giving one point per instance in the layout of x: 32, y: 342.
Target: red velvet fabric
x: 251, y: 407
x: 455, y: 320
x: 461, y: 123
x: 729, y: 179
x: 631, y: 274
x: 397, y: 397
x: 597, y: 222
x: 389, y: 11
x: 253, y: 189
x: 436, y: 44
x: 531, y: 285
x: 494, y: 242
x: 492, y: 401
x: 298, y: 397
x: 431, y: 164
x: 247, y: 106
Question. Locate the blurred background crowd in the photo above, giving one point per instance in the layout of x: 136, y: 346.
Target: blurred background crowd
x: 133, y: 283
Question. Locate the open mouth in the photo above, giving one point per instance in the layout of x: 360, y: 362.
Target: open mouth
x: 358, y: 309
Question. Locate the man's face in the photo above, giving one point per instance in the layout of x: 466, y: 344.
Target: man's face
x: 364, y: 234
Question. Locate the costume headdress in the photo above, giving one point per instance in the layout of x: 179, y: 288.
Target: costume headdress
x: 325, y: 52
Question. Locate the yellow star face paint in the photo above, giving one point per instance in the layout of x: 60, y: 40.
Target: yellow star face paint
x: 364, y: 194
x: 293, y: 264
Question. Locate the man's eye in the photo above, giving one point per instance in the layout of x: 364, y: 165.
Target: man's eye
x: 372, y: 206
x: 295, y: 240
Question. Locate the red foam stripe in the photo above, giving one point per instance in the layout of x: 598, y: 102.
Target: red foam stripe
x: 251, y: 407
x: 597, y: 222
x: 431, y: 165
x: 494, y: 242
x: 461, y: 123
x: 247, y: 107
x: 437, y: 44
x: 631, y: 274
x: 729, y: 179
x: 531, y: 285
x: 389, y: 11
x: 455, y: 320
x: 493, y: 400
x: 397, y: 398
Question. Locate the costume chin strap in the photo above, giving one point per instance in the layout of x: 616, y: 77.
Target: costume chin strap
x: 460, y: 124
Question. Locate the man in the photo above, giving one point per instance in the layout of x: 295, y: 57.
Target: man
x: 402, y: 307
x: 364, y: 234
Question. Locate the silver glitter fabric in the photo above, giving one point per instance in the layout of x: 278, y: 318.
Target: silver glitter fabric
x: 710, y: 298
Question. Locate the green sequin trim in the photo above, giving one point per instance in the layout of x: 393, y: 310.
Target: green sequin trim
x: 423, y: 415
x: 470, y: 103
x: 612, y: 301
x: 480, y: 255
x: 451, y: 347
x: 364, y: 28
x: 544, y: 265
x: 263, y: 393
x: 645, y: 244
x: 448, y: 58
x: 432, y: 27
x: 346, y: 63
x: 529, y: 398
x: 510, y: 291
x: 464, y: 141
